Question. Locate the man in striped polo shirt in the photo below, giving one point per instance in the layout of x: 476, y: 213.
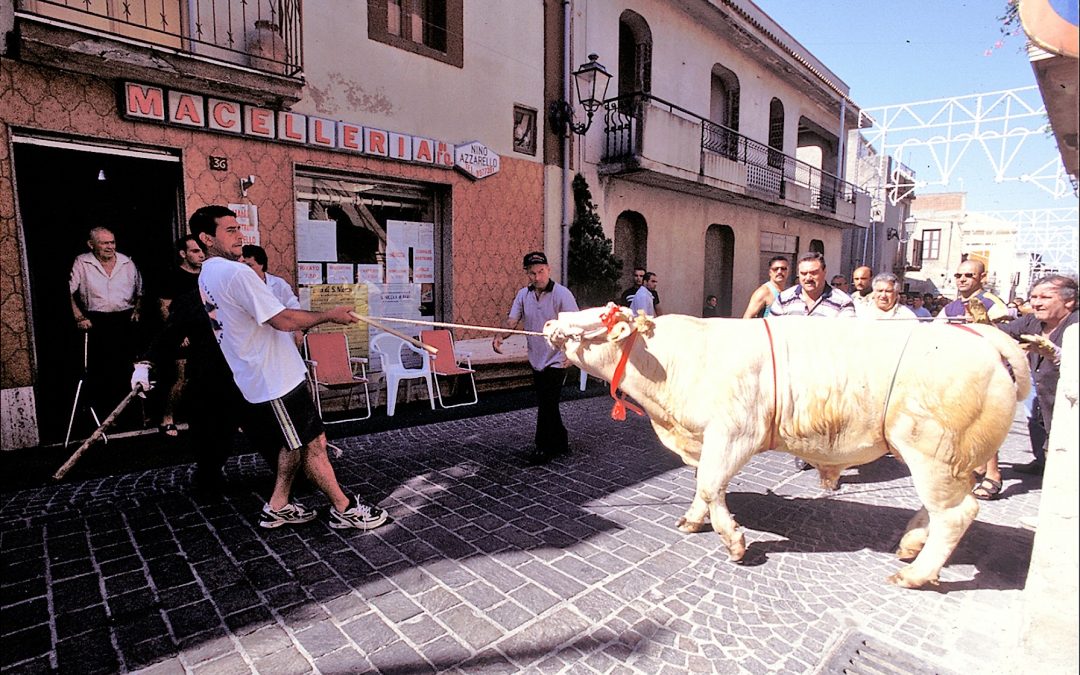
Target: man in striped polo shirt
x: 812, y: 296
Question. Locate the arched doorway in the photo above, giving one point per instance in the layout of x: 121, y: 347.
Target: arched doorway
x: 719, y: 261
x: 631, y: 244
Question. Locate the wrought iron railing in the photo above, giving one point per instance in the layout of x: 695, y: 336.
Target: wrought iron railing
x: 264, y: 34
x: 768, y: 170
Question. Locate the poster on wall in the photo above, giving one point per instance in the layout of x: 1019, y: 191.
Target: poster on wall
x: 410, y: 252
x: 424, y: 254
x: 316, y: 240
x: 247, y: 217
x: 339, y: 273
x: 327, y: 296
x: 370, y: 274
x: 308, y: 273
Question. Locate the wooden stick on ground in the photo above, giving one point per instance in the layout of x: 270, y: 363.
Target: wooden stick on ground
x: 404, y: 336
x: 97, y: 434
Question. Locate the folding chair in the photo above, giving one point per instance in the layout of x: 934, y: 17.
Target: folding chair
x: 331, y: 368
x: 78, y: 392
x: 447, y: 363
x: 388, y: 347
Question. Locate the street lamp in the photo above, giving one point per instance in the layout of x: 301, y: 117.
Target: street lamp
x: 591, y: 80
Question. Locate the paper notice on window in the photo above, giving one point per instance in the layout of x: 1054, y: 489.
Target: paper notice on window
x: 371, y: 274
x: 328, y: 296
x: 308, y: 273
x: 397, y: 301
x: 424, y: 254
x: 339, y: 273
x: 247, y: 217
x: 316, y: 240
x: 397, y: 266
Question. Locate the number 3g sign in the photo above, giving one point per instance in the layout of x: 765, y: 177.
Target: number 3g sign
x: 219, y: 163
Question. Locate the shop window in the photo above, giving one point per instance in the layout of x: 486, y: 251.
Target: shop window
x: 431, y: 28
x: 377, y: 239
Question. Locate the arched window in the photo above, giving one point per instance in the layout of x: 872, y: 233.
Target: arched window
x: 724, y: 111
x: 719, y: 261
x: 776, y: 133
x: 817, y: 246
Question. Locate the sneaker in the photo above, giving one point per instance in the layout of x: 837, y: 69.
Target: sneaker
x: 358, y: 515
x: 290, y: 514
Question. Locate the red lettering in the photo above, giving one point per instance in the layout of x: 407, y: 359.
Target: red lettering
x: 348, y: 136
x: 186, y: 108
x: 260, y: 121
x: 145, y: 101
x: 320, y: 131
x: 291, y: 126
x: 225, y: 115
x: 376, y: 142
x: 423, y: 150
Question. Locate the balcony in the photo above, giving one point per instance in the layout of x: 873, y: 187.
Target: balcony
x: 248, y: 50
x: 649, y: 140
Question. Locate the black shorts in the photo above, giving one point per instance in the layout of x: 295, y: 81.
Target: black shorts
x: 289, y: 422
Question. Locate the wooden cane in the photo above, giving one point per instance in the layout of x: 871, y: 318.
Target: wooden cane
x: 97, y: 433
x: 404, y: 336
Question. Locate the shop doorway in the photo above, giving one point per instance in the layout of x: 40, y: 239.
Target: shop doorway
x: 63, y: 190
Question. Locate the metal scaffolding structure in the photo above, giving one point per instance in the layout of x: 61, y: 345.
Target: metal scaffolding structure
x: 1005, y: 131
x: 1000, y: 128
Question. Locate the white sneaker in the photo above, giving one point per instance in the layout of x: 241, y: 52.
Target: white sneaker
x: 357, y: 515
x: 290, y: 514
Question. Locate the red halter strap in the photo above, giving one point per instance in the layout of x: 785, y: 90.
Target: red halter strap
x: 618, y: 411
x: 775, y: 407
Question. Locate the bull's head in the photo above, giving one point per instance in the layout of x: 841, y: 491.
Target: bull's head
x: 599, y: 324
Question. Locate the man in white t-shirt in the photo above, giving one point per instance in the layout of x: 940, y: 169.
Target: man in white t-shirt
x: 643, y: 299
x: 253, y: 329
x: 255, y: 257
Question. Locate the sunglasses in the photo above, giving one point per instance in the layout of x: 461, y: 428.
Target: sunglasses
x: 964, y: 275
x: 778, y: 269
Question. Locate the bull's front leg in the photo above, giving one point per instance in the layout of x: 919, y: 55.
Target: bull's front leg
x: 723, y: 454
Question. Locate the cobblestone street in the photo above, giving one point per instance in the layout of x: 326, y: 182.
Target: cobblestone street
x: 490, y: 565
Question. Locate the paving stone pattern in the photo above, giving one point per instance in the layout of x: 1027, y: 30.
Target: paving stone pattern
x: 490, y: 565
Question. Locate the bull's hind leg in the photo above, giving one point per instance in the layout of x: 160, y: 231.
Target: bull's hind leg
x: 914, y: 535
x: 721, y: 458
x: 950, y: 509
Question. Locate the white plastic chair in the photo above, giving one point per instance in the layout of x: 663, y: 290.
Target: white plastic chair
x: 388, y: 348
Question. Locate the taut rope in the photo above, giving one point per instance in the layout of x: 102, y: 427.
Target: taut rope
x: 441, y: 324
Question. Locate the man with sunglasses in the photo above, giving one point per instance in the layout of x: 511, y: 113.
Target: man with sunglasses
x: 969, y: 284
x: 766, y: 293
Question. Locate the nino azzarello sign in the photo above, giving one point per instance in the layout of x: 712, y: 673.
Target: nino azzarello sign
x: 145, y: 102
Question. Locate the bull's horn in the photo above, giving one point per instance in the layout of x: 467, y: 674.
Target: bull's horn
x: 619, y: 331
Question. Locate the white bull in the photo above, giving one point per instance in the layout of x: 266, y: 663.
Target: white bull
x: 843, y: 393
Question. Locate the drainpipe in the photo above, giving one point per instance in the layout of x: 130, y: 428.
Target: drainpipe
x: 564, y: 225
x: 842, y: 144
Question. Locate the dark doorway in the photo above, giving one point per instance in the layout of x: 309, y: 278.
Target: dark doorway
x: 62, y: 193
x: 719, y: 262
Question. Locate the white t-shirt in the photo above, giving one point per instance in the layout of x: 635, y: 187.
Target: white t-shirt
x: 282, y: 291
x: 264, y: 360
x: 643, y: 300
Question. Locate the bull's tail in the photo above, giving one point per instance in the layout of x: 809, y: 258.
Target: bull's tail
x: 1012, y: 357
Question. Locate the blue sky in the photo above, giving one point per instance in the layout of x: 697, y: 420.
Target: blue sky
x: 891, y: 52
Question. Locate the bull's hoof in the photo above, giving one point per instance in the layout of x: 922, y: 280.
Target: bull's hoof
x: 907, y: 554
x: 903, y: 579
x: 737, y: 548
x: 689, y: 526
